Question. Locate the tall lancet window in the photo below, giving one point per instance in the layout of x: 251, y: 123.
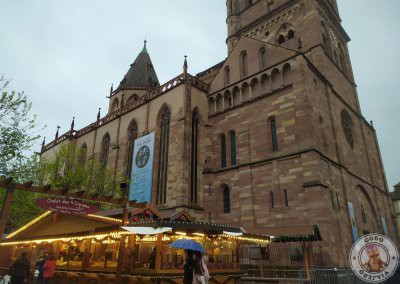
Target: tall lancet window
x: 243, y: 64
x: 193, y: 164
x: 226, y: 198
x: 162, y: 174
x: 233, y: 147
x: 105, y: 149
x: 274, y: 137
x: 223, y: 150
x: 132, y: 135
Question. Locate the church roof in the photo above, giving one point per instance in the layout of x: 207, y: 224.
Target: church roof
x: 141, y: 74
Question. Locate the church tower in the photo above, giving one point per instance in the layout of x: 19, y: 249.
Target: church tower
x: 292, y: 24
x: 140, y: 78
x: 286, y: 101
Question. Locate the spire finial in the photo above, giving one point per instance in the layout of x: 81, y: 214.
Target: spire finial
x: 185, y: 65
x: 58, y: 128
x: 72, y: 123
x: 145, y: 45
x: 43, y: 144
x: 98, y: 114
x: 111, y: 89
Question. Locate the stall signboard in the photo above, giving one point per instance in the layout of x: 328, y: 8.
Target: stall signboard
x: 66, y: 206
x: 142, y: 169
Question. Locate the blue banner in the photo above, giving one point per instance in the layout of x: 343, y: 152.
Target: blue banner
x: 353, y: 221
x: 142, y: 169
x: 385, y: 228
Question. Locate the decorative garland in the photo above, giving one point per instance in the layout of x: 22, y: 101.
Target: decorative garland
x: 316, y: 236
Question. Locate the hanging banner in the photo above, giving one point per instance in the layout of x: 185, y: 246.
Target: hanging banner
x: 353, y: 221
x: 385, y: 228
x: 66, y: 206
x: 142, y: 169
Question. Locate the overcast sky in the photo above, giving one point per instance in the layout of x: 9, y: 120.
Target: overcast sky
x: 66, y: 54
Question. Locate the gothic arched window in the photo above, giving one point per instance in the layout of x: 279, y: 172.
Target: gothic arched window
x: 223, y: 150
x: 363, y: 216
x: 243, y: 64
x: 82, y: 155
x: 227, y: 78
x: 233, y: 147
x: 105, y: 148
x: 274, y: 138
x: 347, y: 126
x: 226, y: 198
x: 231, y: 7
x: 132, y: 99
x: 193, y: 164
x: 132, y: 136
x: 290, y: 34
x: 114, y: 105
x: 162, y: 175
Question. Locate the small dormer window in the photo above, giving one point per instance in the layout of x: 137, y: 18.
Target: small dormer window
x: 285, y: 33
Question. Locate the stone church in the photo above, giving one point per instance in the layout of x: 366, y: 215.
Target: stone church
x: 271, y: 139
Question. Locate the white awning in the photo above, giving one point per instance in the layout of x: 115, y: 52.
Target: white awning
x: 234, y: 234
x: 147, y: 230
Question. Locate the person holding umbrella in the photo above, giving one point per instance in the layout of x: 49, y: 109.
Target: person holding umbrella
x: 200, y: 271
x: 195, y: 270
x: 188, y: 267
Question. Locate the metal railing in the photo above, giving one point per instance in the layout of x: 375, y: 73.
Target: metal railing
x: 317, y: 276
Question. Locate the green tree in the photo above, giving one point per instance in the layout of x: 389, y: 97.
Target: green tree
x: 18, y: 133
x: 70, y: 170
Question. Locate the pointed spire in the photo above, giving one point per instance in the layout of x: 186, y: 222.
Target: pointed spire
x: 111, y: 89
x: 43, y: 144
x: 58, y: 128
x: 144, y: 46
x: 98, y: 114
x: 72, y: 123
x: 141, y: 74
x: 185, y: 65
x: 185, y: 69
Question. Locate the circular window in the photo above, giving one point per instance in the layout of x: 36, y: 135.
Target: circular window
x: 347, y: 126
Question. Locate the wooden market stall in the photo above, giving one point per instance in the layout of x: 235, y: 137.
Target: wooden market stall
x: 93, y: 248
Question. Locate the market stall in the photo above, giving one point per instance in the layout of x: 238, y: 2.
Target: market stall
x: 95, y: 247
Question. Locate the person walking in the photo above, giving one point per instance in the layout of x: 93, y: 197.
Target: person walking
x: 19, y: 270
x: 188, y: 267
x: 39, y: 266
x: 153, y: 256
x: 200, y: 271
x: 49, y: 269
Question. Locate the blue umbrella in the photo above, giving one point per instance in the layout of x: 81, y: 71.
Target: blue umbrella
x: 187, y: 244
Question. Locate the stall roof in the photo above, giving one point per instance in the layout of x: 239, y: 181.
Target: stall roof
x: 51, y: 224
x: 203, y: 227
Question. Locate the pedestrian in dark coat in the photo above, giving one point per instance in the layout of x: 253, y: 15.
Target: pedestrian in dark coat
x: 188, y: 267
x: 39, y: 266
x: 19, y: 270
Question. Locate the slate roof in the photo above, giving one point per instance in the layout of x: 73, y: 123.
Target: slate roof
x: 141, y: 74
